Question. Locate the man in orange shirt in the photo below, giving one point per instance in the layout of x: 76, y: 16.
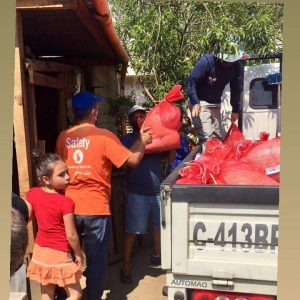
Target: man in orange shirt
x: 89, y: 153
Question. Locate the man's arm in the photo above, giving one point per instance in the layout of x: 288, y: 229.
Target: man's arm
x: 138, y: 147
x: 191, y: 90
x: 236, y: 92
x: 196, y: 75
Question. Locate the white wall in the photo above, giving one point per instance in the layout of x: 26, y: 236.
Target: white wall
x: 132, y: 84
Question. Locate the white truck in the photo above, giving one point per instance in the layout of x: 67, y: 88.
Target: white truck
x: 220, y: 242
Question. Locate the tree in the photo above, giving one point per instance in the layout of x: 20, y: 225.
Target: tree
x: 164, y: 38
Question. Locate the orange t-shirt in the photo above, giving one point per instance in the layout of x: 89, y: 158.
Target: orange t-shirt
x: 89, y: 153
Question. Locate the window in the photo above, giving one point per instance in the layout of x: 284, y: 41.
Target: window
x: 263, y: 95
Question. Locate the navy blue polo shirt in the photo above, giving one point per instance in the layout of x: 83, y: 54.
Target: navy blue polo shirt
x: 208, y: 79
x: 144, y: 179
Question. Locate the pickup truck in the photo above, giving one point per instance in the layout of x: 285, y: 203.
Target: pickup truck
x: 220, y: 242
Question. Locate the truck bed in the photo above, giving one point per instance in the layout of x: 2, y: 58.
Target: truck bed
x: 219, y: 193
x: 220, y: 234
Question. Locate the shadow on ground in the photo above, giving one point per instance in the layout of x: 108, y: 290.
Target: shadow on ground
x: 147, y: 282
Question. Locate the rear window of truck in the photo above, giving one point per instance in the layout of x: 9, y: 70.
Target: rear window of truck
x: 263, y: 95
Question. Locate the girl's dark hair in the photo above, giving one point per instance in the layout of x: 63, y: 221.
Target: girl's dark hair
x: 44, y: 164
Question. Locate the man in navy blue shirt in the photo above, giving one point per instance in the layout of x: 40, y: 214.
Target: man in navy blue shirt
x: 143, y: 199
x: 205, y: 87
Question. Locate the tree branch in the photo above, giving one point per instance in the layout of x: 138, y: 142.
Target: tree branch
x: 210, y: 14
x: 158, y: 32
x: 186, y: 26
x: 147, y: 92
x: 156, y: 43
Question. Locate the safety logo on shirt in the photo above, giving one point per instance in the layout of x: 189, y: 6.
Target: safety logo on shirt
x: 78, y: 143
x: 78, y: 156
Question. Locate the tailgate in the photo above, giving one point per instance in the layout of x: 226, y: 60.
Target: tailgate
x: 225, y: 240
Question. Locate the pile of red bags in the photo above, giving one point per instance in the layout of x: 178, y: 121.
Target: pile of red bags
x: 235, y: 161
x: 164, y: 120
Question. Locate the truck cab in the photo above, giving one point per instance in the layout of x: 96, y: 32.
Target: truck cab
x: 261, y: 98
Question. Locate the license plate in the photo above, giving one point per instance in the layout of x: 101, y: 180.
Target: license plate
x: 245, y: 236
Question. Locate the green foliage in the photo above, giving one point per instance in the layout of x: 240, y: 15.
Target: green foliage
x: 164, y: 38
x: 119, y: 108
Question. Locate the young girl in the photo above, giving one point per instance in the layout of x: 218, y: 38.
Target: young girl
x: 52, y: 262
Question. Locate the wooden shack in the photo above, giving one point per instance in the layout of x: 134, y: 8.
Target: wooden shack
x: 63, y: 46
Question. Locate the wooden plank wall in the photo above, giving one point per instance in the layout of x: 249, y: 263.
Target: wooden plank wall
x: 50, y: 4
x: 22, y: 135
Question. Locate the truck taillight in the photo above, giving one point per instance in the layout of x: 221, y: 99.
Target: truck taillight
x: 220, y: 295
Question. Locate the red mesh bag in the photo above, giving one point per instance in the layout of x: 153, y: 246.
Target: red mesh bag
x: 233, y: 136
x: 235, y: 139
x: 207, y: 165
x: 263, y: 136
x: 215, y: 148
x: 201, y: 170
x: 164, y: 120
x: 239, y: 173
x: 265, y: 155
x: 236, y: 161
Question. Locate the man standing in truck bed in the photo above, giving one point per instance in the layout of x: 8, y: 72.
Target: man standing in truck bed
x: 205, y: 87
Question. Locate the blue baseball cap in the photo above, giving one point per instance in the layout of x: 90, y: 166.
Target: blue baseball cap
x: 83, y: 101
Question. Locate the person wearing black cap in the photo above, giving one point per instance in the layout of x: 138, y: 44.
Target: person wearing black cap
x: 205, y: 86
x: 143, y: 200
x: 89, y: 153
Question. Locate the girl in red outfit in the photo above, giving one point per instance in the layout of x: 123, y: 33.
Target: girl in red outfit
x: 52, y: 262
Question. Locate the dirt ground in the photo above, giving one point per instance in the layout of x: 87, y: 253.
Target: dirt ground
x: 148, y: 281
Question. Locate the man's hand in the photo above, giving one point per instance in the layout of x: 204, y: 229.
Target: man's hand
x: 146, y: 135
x: 138, y: 147
x: 234, y: 117
x: 196, y: 110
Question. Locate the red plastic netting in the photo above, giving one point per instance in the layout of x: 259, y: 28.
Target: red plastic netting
x: 235, y: 161
x: 265, y: 155
x: 236, y: 172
